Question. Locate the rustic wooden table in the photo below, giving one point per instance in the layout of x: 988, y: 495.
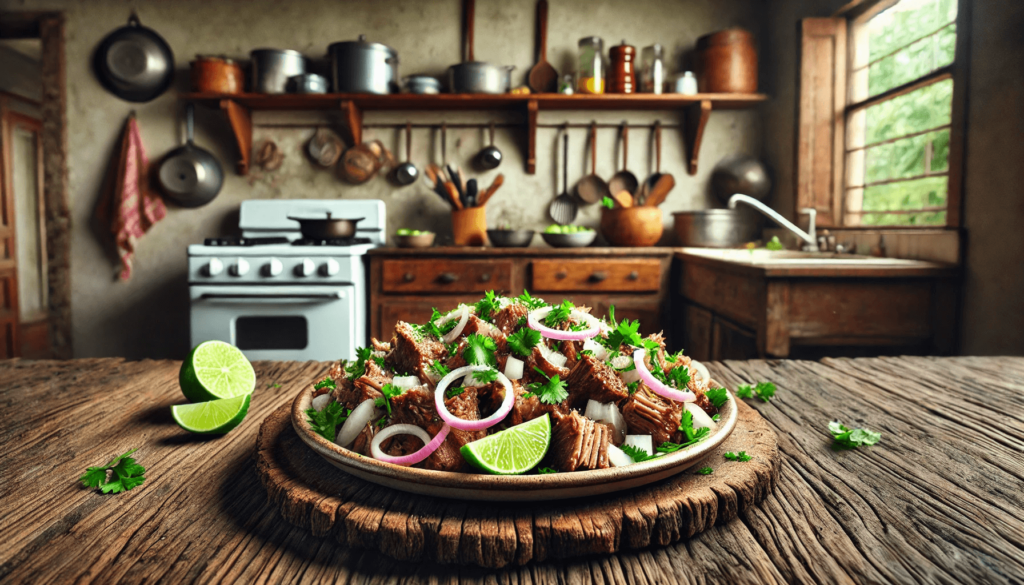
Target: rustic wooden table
x: 939, y: 499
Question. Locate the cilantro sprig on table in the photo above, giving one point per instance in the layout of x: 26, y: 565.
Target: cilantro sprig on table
x: 636, y: 453
x: 741, y: 456
x: 480, y: 351
x: 608, y: 202
x: 551, y: 391
x: 125, y: 474
x: 717, y: 396
x: 706, y: 470
x: 325, y: 422
x: 844, y: 438
x: 523, y: 341
x: 764, y: 390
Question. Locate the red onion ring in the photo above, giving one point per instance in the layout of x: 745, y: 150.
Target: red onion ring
x: 655, y: 385
x: 472, y: 425
x: 429, y: 446
x: 533, y: 320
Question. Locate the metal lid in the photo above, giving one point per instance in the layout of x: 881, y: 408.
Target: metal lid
x: 221, y: 58
x: 361, y: 44
x: 277, y: 51
x: 591, y: 41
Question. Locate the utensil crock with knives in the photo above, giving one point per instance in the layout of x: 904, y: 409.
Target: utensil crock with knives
x: 469, y: 226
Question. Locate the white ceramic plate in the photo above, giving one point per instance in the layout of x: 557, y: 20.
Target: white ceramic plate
x: 479, y: 486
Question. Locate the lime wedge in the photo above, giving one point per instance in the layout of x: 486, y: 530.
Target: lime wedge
x: 515, y: 450
x: 215, y: 370
x: 214, y: 417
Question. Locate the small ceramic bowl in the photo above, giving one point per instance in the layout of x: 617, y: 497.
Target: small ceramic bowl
x: 579, y: 240
x: 510, y: 238
x: 419, y: 241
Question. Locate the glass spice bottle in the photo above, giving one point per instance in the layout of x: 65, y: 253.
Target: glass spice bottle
x: 652, y: 69
x: 592, y: 69
x: 622, y: 76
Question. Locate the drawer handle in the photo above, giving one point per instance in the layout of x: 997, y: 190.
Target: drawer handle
x: 486, y: 277
x: 634, y: 275
x: 408, y: 277
x: 447, y: 277
x: 561, y: 275
x: 599, y: 276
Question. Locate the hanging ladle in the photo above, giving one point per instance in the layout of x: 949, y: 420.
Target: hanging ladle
x: 490, y: 157
x: 624, y: 180
x: 406, y: 173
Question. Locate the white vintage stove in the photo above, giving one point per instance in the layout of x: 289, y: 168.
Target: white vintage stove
x: 276, y: 295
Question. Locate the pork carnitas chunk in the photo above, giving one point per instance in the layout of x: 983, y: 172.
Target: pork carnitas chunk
x: 447, y: 456
x: 412, y: 353
x: 507, y: 318
x: 351, y: 393
x: 336, y: 373
x: 646, y: 413
x: 578, y: 443
x: 415, y: 406
x: 592, y: 379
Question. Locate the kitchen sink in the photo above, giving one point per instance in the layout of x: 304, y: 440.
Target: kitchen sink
x: 763, y: 257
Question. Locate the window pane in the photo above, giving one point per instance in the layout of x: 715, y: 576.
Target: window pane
x: 906, y: 22
x: 907, y: 195
x: 918, y: 110
x: 916, y: 60
x: 908, y: 157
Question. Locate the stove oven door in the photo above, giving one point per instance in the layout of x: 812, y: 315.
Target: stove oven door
x: 277, y: 322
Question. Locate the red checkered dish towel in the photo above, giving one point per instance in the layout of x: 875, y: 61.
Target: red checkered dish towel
x: 133, y: 209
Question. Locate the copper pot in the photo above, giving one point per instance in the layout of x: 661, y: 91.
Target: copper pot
x: 361, y: 162
x: 727, y: 62
x: 212, y: 74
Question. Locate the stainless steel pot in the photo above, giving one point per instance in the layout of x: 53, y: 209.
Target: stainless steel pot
x: 271, y: 69
x: 479, y: 77
x: 422, y: 84
x: 716, y: 228
x: 134, y: 62
x: 190, y: 176
x: 307, y: 83
x: 363, y: 67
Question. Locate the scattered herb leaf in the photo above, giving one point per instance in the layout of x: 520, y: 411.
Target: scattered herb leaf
x: 636, y: 453
x: 705, y: 470
x: 389, y: 391
x: 625, y: 332
x: 608, y: 202
x: 844, y: 438
x: 440, y: 370
x: 560, y: 314
x: 546, y: 470
x: 325, y: 383
x: 488, y: 306
x: 741, y: 456
x: 453, y: 392
x: 325, y: 422
x: 686, y: 427
x: 744, y: 391
x: 717, y: 396
x: 716, y: 418
x: 552, y: 391
x: 523, y: 341
x: 277, y: 385
x: 531, y: 303
x: 358, y: 368
x: 632, y: 387
x: 486, y: 376
x: 774, y: 244
x: 383, y: 421
x: 480, y: 351
x: 763, y: 390
x: 125, y: 474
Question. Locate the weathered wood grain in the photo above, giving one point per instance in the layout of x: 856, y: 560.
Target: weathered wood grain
x: 938, y: 500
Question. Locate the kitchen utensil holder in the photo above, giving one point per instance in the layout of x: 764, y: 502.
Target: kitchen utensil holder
x: 469, y: 226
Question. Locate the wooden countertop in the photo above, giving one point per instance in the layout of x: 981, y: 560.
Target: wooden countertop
x: 938, y: 499
x: 846, y: 267
x: 518, y: 252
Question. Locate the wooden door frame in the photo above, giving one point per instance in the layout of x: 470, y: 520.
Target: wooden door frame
x: 11, y: 119
x: 49, y: 27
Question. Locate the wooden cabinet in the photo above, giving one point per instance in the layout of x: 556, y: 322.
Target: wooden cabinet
x: 406, y: 284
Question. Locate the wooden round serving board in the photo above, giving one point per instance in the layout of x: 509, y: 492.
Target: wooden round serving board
x: 311, y: 493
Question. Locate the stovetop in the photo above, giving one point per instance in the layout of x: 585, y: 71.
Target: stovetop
x: 235, y: 242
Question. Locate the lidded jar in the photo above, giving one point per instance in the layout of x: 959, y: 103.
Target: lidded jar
x: 592, y: 69
x: 652, y: 69
x: 622, y: 76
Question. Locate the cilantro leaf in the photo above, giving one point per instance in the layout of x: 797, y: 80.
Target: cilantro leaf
x: 357, y: 368
x: 611, y: 316
x: 389, y: 391
x: 523, y: 341
x: 626, y: 332
x: 717, y: 396
x: 608, y: 202
x: 453, y: 392
x: 484, y: 377
x: 844, y: 438
x: 636, y: 453
x: 744, y: 391
x: 480, y: 351
x: 632, y: 387
x: 325, y: 422
x: 774, y: 244
x: 652, y: 347
x: 531, y: 303
x: 551, y: 392
x: 325, y: 383
x: 125, y: 474
x: 546, y: 470
x: 741, y: 456
x: 487, y: 306
x: 686, y: 427
x: 716, y: 417
x: 678, y: 377
x: 439, y: 369
x: 705, y: 470
x: 764, y: 391
x: 559, y: 314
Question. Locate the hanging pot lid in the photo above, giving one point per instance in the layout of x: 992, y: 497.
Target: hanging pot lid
x: 134, y: 62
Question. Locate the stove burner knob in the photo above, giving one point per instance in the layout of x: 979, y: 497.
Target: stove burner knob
x: 330, y: 268
x: 274, y: 267
x: 240, y: 267
x: 305, y: 268
x: 213, y: 267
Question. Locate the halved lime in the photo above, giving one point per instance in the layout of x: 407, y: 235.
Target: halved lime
x: 213, y: 417
x: 214, y: 370
x: 513, y: 451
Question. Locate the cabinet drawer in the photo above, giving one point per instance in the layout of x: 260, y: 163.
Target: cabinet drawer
x: 636, y: 275
x: 446, y: 276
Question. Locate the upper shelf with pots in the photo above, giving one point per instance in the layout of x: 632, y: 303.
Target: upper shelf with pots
x: 696, y: 109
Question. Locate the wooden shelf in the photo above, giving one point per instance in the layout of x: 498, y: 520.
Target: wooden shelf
x: 696, y: 110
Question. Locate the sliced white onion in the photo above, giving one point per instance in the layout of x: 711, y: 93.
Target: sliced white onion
x: 553, y: 357
x: 607, y: 413
x: 642, y: 442
x: 429, y: 445
x: 655, y: 385
x: 361, y: 415
x: 514, y: 368
x: 472, y: 425
x: 321, y: 401
x: 700, y: 418
x: 599, y: 351
x: 462, y: 313
x: 406, y: 382
x: 618, y: 458
x: 630, y: 376
x: 621, y: 362
x: 702, y: 370
x: 534, y: 318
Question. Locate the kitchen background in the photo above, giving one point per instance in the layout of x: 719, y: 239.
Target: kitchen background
x: 146, y: 316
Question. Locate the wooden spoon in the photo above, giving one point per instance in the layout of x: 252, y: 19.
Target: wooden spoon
x: 624, y: 180
x: 623, y: 198
x: 660, y: 190
x: 592, y: 188
x: 543, y: 78
x: 490, y: 191
x: 648, y: 185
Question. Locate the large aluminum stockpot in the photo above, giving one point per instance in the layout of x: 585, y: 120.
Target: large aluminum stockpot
x: 363, y: 67
x: 480, y: 77
x: 271, y: 69
x: 716, y: 228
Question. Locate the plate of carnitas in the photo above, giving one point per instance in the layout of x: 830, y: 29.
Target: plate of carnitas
x: 515, y: 399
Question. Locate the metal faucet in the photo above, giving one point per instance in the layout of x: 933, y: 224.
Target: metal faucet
x: 812, y: 242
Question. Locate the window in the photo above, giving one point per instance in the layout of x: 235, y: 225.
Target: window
x: 877, y: 132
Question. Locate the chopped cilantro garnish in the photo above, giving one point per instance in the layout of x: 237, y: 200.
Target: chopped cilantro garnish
x: 487, y: 306
x: 744, y: 391
x: 125, y: 474
x: 608, y: 202
x: 636, y: 453
x: 626, y: 332
x: 586, y: 352
x: 716, y: 418
x: 486, y: 376
x: 763, y: 390
x: 844, y: 438
x: 552, y: 391
x: 480, y: 351
x: 741, y: 456
x: 632, y: 387
x: 389, y: 391
x: 383, y: 421
x: 559, y: 314
x: 717, y: 396
x: 652, y: 347
x: 678, y: 377
x: 545, y: 470
x: 325, y: 422
x: 705, y: 470
x: 531, y: 303
x: 440, y: 370
x: 453, y: 392
x: 325, y: 383
x: 523, y: 341
x: 686, y: 427
x: 358, y: 368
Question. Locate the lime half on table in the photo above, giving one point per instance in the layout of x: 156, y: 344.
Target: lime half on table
x: 215, y: 370
x: 513, y: 451
x: 213, y: 417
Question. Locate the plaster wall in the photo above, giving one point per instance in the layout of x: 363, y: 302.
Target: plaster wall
x: 147, y: 316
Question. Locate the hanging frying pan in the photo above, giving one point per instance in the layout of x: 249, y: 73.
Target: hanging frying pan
x: 134, y: 62
x: 190, y: 176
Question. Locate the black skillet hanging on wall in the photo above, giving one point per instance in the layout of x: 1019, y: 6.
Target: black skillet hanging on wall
x: 134, y: 62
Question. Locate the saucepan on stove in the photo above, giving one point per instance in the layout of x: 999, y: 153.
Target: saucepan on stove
x: 326, y: 228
